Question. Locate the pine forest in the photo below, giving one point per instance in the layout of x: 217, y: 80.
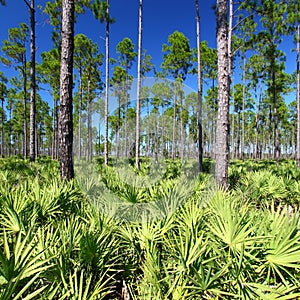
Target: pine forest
x: 149, y: 149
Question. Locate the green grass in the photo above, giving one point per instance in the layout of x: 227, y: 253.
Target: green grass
x: 57, y: 243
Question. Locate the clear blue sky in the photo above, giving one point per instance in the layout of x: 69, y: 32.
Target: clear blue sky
x: 160, y: 18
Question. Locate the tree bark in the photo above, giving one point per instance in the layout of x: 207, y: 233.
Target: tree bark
x: 2, y: 126
x: 106, y: 87
x: 80, y: 112
x: 25, y: 107
x: 238, y: 137
x: 276, y: 133
x: 231, y: 70
x: 256, y: 124
x: 174, y: 125
x: 138, y: 93
x: 298, y: 97
x: 200, y: 142
x: 222, y: 135
x: 243, y: 111
x: 232, y: 121
x: 32, y: 142
x: 66, y: 85
x: 89, y: 111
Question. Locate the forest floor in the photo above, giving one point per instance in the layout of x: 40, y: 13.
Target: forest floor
x: 164, y: 232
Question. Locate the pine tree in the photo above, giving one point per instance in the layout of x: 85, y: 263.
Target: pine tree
x: 222, y: 134
x: 3, y: 92
x: 101, y: 12
x: 65, y: 122
x: 15, y: 50
x: 138, y: 93
x: 177, y: 62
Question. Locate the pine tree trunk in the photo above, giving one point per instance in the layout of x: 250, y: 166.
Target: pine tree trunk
x: 222, y: 134
x: 294, y: 149
x: 257, y: 126
x: 231, y: 71
x: 263, y: 144
x: 298, y: 97
x: 89, y: 116
x: 238, y: 135
x: 25, y: 108
x: 2, y: 127
x: 162, y: 131
x: 276, y: 133
x: 106, y: 87
x: 181, y: 129
x: 199, y: 73
x: 138, y: 93
x: 9, y: 133
x: 80, y: 112
x: 232, y: 121
x: 174, y: 126
x: 243, y: 111
x: 65, y: 123
x: 32, y: 149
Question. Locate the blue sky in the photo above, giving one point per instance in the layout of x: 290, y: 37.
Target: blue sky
x: 160, y: 18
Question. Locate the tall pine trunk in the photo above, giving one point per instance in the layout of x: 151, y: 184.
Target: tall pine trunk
x: 231, y: 71
x: 2, y: 126
x: 243, y: 111
x: 32, y: 142
x: 298, y: 97
x: 138, y: 93
x: 80, y: 112
x: 106, y: 87
x: 25, y: 107
x: 222, y: 134
x: 276, y: 133
x: 232, y: 120
x: 89, y: 117
x: 200, y: 142
x: 238, y: 136
x: 174, y: 125
x: 65, y: 123
x: 256, y: 124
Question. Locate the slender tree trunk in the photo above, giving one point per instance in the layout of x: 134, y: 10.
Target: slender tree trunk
x: 162, y: 131
x: 293, y: 143
x: 232, y: 121
x: 89, y: 116
x: 80, y: 113
x: 222, y: 134
x: 106, y: 88
x: 263, y: 143
x: 276, y: 133
x: 2, y: 127
x: 238, y: 137
x: 65, y: 129
x: 138, y: 90
x: 174, y: 126
x: 53, y: 135
x: 118, y: 127
x: 32, y: 149
x: 243, y: 110
x: 257, y: 125
x: 181, y: 127
x: 298, y: 97
x: 231, y: 71
x: 9, y: 133
x: 199, y: 73
x: 25, y: 108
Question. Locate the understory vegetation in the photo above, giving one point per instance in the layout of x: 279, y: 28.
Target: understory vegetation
x: 56, y: 242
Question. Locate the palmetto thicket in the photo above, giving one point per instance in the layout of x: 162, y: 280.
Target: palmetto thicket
x: 56, y: 244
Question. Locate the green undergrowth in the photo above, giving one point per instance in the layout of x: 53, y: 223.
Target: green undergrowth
x: 57, y: 243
